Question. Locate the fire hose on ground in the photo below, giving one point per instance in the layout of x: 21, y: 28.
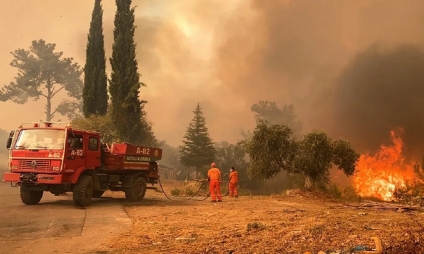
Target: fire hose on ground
x: 195, y: 194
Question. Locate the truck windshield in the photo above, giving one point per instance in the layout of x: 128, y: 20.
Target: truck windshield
x: 40, y: 139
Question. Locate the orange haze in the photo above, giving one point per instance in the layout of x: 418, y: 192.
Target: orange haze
x: 227, y: 55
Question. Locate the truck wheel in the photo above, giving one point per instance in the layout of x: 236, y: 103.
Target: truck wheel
x: 83, y: 191
x: 30, y: 197
x: 137, y: 191
x: 97, y: 194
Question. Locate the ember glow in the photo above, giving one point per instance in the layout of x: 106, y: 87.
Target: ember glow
x: 378, y: 175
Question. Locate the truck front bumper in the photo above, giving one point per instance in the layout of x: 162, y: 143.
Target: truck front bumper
x: 32, y: 178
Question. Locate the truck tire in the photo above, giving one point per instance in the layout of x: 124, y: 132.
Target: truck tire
x: 83, y: 191
x: 30, y: 197
x: 137, y: 191
x: 97, y: 194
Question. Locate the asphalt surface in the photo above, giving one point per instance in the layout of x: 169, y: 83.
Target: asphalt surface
x: 55, y: 225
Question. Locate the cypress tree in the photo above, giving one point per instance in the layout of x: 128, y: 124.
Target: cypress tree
x: 197, y: 149
x: 124, y: 85
x: 95, y: 96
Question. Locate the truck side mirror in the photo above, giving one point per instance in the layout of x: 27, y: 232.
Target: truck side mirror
x: 9, y: 140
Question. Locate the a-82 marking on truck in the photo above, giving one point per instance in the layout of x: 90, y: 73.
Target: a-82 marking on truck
x: 57, y: 158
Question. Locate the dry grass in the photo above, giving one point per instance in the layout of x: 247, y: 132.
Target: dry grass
x: 274, y: 224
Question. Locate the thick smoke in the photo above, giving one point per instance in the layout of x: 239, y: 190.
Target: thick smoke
x: 296, y: 52
x: 382, y: 89
x: 227, y: 55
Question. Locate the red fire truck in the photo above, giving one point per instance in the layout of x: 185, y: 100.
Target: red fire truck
x: 54, y: 157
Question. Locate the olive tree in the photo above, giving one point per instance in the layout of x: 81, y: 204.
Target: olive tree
x: 272, y: 149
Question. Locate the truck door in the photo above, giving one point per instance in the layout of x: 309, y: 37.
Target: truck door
x: 93, y: 151
x: 75, y: 152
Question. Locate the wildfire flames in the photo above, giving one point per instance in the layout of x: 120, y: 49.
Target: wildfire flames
x: 378, y: 175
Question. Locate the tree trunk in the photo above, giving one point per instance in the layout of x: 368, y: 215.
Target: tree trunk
x: 48, y: 110
x: 49, y: 103
x: 197, y: 172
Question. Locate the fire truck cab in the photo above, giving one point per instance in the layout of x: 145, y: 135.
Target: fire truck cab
x: 54, y: 157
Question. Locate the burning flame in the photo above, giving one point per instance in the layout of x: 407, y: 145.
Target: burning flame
x: 378, y: 175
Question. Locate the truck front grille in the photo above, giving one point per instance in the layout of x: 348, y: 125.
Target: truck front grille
x: 34, y: 164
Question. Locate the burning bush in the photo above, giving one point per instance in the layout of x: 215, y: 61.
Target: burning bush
x: 412, y: 192
x: 379, y: 175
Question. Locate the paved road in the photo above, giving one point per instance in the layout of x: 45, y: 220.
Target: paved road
x: 56, y: 225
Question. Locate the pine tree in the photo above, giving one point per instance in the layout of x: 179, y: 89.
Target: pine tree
x: 95, y: 97
x: 42, y: 72
x: 197, y: 149
x: 124, y: 85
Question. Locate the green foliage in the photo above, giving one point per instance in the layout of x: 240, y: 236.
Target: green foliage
x: 175, y: 192
x: 197, y: 149
x: 189, y: 192
x: 314, y: 156
x: 269, y: 112
x: 146, y: 135
x: 105, y: 126
x: 257, y: 226
x: 234, y: 155
x: 318, y: 153
x: 344, y: 156
x: 127, y: 110
x: 271, y: 150
x: 43, y: 73
x: 95, y: 96
x: 99, y: 123
x: 230, y: 155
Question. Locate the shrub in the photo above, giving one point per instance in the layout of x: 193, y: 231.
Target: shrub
x: 255, y: 226
x: 189, y: 192
x: 349, y: 194
x: 175, y: 192
x: 334, y: 192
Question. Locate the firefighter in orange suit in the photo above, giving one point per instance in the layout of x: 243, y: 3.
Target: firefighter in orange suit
x: 214, y: 178
x: 233, y: 182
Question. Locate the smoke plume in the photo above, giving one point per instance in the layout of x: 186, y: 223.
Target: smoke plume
x: 380, y: 90
x: 228, y: 55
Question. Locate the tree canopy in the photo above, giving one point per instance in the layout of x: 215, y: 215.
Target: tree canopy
x: 269, y: 111
x: 272, y: 150
x: 95, y: 94
x: 42, y: 72
x: 127, y: 110
x: 197, y: 149
x: 314, y: 156
x: 99, y: 123
x: 233, y: 155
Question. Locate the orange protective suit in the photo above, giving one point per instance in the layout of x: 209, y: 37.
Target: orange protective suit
x: 233, y: 184
x: 214, y: 176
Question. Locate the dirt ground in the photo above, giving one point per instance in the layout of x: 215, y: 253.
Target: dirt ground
x: 295, y: 223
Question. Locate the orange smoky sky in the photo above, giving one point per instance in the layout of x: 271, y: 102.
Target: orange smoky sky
x: 226, y: 55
